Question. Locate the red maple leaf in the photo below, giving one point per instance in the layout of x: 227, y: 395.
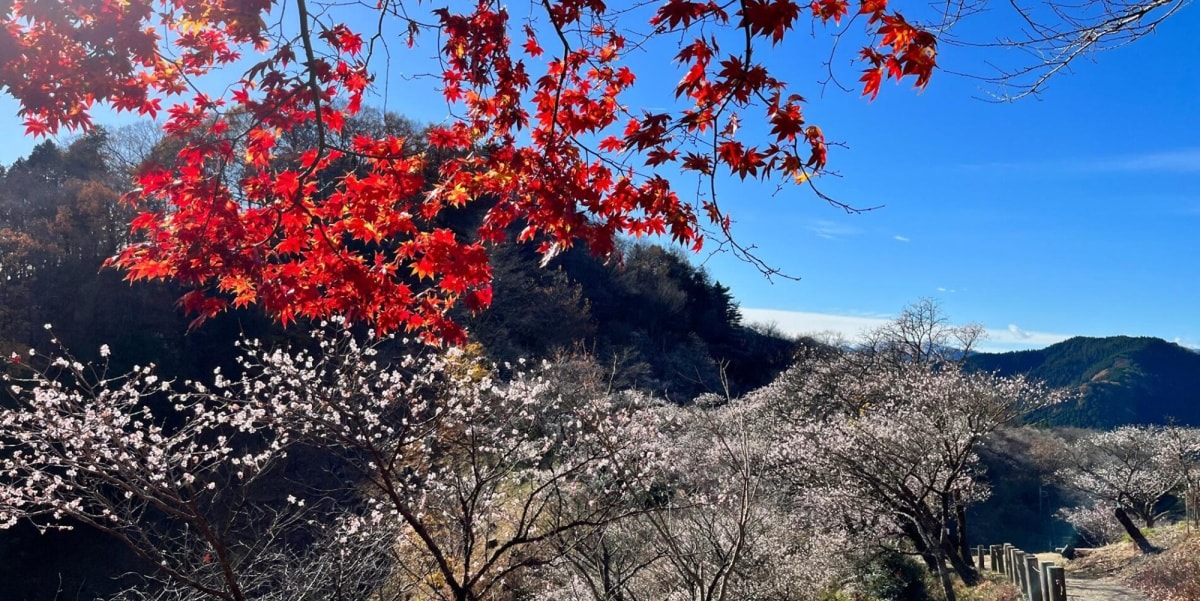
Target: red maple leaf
x: 277, y: 195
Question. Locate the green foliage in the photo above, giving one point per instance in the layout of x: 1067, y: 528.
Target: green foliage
x: 656, y: 321
x: 893, y: 576
x: 834, y: 594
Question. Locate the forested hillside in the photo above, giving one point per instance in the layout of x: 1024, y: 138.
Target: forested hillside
x: 659, y: 322
x: 1118, y: 380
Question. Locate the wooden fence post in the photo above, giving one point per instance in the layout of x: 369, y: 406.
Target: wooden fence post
x: 997, y: 561
x: 1058, y: 584
x: 1045, y: 578
x: 1033, y: 586
x: 979, y: 555
x: 1007, y: 563
x: 1018, y: 565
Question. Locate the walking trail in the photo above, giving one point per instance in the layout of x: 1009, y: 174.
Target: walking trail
x: 1100, y: 589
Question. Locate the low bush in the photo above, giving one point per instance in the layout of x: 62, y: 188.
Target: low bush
x: 893, y: 576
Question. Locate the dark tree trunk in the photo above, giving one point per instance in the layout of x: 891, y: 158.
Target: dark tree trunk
x: 960, y: 517
x: 914, y: 535
x: 947, y: 585
x: 962, y: 564
x: 1147, y: 514
x: 1133, y: 532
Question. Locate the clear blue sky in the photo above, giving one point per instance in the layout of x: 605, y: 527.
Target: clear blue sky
x: 1074, y: 213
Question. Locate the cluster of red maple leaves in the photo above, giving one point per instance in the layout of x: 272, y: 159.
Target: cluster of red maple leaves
x: 554, y: 152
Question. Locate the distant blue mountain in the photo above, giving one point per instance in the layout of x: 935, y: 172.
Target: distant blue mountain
x: 1118, y: 380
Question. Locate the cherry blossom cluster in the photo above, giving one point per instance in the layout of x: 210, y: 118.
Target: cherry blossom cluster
x: 93, y: 446
x: 475, y: 476
x: 433, y: 473
x: 1096, y: 522
x: 890, y: 447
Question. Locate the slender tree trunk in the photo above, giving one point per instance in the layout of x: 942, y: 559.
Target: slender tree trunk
x: 947, y: 583
x: 949, y: 546
x: 1135, y: 534
x: 960, y: 516
x: 962, y: 564
x: 914, y: 535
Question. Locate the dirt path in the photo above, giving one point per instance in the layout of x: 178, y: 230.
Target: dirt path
x: 1100, y: 589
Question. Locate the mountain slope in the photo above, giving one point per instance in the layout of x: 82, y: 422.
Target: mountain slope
x: 1118, y: 380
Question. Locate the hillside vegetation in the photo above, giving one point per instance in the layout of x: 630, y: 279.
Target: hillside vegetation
x: 1117, y: 380
x: 649, y: 321
x: 1170, y: 575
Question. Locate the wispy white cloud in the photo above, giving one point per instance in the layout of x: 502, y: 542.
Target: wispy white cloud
x: 900, y: 238
x: 1187, y: 343
x: 946, y: 290
x: 832, y: 230
x: 852, y: 328
x: 1015, y: 338
x: 1184, y: 160
x: 1017, y: 332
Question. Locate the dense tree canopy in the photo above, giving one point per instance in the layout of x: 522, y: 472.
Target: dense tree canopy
x: 270, y: 196
x: 341, y: 224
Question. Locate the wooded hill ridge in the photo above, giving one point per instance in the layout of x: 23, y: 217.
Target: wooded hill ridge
x: 1117, y: 380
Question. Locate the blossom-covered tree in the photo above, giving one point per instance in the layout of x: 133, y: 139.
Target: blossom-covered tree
x: 1096, y: 523
x: 93, y: 447
x: 719, y: 523
x: 465, y: 479
x: 1132, y: 467
x: 893, y: 445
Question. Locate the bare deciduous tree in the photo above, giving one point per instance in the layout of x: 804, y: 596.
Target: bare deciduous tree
x: 922, y: 334
x: 1052, y: 36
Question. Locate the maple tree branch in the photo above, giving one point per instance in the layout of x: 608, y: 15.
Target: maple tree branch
x: 562, y: 76
x: 831, y: 77
x: 311, y: 67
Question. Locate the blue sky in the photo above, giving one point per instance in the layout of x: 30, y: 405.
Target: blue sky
x: 1072, y: 213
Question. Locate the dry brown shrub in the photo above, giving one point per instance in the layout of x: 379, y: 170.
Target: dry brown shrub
x: 1173, y: 575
